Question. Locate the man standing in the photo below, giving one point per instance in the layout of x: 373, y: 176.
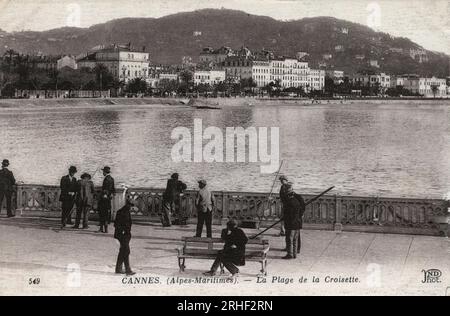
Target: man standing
x: 122, y: 233
x: 85, y: 200
x: 171, y: 200
x: 7, y: 183
x: 204, y: 203
x: 283, y: 197
x: 69, y: 189
x: 108, y: 192
x: 293, y: 221
x: 233, y: 253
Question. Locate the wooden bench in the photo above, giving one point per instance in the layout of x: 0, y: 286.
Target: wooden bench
x: 208, y: 248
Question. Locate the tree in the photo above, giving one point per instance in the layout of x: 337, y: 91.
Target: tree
x: 137, y: 85
x: 104, y: 78
x: 434, y: 89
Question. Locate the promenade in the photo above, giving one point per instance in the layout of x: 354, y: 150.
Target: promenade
x: 75, y: 262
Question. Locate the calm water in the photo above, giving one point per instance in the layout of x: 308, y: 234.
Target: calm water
x: 387, y: 150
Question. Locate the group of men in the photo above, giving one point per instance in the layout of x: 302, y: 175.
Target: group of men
x: 80, y: 193
x: 204, y: 204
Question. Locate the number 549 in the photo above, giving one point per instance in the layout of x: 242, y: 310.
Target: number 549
x: 34, y: 281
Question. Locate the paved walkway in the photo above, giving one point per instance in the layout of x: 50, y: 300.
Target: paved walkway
x: 82, y: 262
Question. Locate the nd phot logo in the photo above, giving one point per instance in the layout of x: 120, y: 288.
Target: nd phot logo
x: 432, y: 276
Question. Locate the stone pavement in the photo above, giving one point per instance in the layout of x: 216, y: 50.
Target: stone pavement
x: 72, y: 262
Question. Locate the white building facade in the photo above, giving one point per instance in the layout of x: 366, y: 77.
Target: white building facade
x: 316, y: 80
x: 122, y: 62
x: 211, y: 77
x: 261, y: 73
x: 290, y: 72
x: 433, y: 87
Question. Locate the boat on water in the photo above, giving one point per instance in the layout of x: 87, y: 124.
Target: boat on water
x: 202, y: 105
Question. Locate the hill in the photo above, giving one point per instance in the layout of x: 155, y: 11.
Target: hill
x: 347, y: 46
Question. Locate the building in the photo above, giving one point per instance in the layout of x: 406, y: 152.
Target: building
x: 433, y: 87
x: 411, y: 83
x: 336, y: 75
x: 237, y: 67
x: 210, y: 77
x: 212, y: 57
x: 290, y: 73
x: 123, y: 62
x: 66, y: 61
x: 261, y: 73
x: 382, y: 80
x: 168, y: 76
x: 397, y: 81
x: 419, y: 55
x: 316, y: 80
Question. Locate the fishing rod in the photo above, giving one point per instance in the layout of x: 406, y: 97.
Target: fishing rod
x: 306, y: 204
x: 273, y: 186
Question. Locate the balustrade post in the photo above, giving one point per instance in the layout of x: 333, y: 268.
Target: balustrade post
x: 225, y: 212
x: 19, y: 201
x: 338, y: 214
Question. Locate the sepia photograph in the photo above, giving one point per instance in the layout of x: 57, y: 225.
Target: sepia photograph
x: 206, y: 149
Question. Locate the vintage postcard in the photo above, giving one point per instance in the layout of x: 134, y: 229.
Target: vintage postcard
x: 225, y: 148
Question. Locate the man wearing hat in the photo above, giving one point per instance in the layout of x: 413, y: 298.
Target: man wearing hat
x: 233, y: 253
x: 122, y: 233
x: 204, y: 203
x: 85, y: 200
x: 171, y: 200
x: 108, y: 192
x: 283, y: 197
x: 7, y: 183
x: 69, y: 189
x: 294, y: 209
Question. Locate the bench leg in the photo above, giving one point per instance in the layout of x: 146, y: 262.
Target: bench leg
x: 181, y: 264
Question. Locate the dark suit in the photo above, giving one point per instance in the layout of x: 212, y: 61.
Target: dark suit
x: 7, y: 182
x: 294, y: 209
x: 171, y: 200
x: 104, y: 204
x: 231, y: 256
x: 69, y: 190
x: 122, y: 233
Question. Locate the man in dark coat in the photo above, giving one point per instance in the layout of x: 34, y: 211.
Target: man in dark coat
x: 233, y: 253
x: 69, y: 189
x: 283, y: 197
x: 171, y: 200
x: 122, y: 233
x: 294, y: 209
x: 7, y: 183
x: 104, y: 205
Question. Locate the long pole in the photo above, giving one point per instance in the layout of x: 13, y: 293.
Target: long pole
x: 273, y: 186
x: 306, y: 204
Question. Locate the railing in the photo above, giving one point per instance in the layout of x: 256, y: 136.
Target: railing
x: 388, y: 215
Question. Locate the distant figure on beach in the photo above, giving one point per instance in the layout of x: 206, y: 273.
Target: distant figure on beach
x: 85, y: 200
x: 7, y: 183
x: 233, y: 253
x: 171, y: 200
x: 104, y: 204
x: 294, y: 209
x: 204, y: 203
x: 69, y: 189
x: 122, y: 233
x: 283, y: 197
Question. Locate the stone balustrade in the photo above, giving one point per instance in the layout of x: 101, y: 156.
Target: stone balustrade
x: 365, y: 214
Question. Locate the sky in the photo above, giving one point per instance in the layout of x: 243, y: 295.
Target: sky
x: 426, y: 22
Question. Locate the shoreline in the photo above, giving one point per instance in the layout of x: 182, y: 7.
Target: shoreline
x: 221, y: 102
